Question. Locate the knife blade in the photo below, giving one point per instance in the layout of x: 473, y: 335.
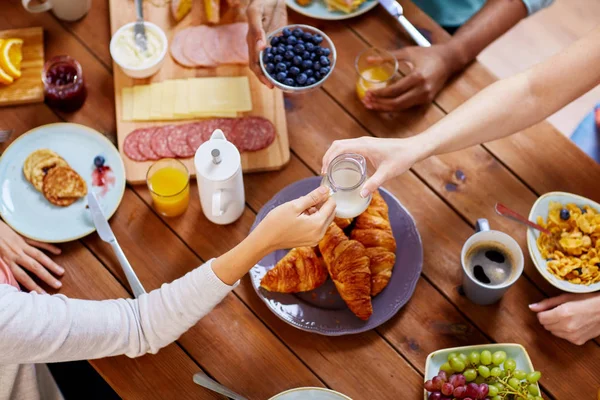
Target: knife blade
x: 396, y: 11
x: 107, y: 235
x: 139, y: 30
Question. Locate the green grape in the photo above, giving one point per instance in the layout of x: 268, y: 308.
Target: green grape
x: 486, y: 357
x: 514, y: 383
x: 498, y: 385
x: 493, y: 391
x: 538, y: 398
x: 474, y: 358
x: 534, y: 376
x: 496, y: 372
x: 510, y: 365
x: 496, y: 398
x: 470, y: 375
x: 447, y: 367
x: 519, y: 374
x: 479, y: 380
x: 452, y: 355
x: 457, y: 364
x: 463, y: 358
x: 533, y: 389
x: 483, y: 371
x: 530, y: 397
x: 498, y: 357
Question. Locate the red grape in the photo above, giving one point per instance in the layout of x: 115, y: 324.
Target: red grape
x: 437, y: 383
x: 460, y: 380
x: 460, y: 392
x: 447, y: 389
x: 473, y: 390
x: 483, y: 391
x: 442, y: 374
x: 468, y: 398
x: 429, y: 386
x: 435, y: 396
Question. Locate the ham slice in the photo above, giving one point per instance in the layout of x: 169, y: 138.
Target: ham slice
x: 177, y: 49
x: 194, y: 47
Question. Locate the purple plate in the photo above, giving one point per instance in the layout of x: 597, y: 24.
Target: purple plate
x: 322, y: 310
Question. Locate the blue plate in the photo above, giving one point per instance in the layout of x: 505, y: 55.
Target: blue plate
x: 318, y: 10
x: 28, y: 212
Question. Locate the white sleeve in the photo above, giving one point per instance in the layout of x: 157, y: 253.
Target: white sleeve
x: 534, y: 6
x: 42, y: 328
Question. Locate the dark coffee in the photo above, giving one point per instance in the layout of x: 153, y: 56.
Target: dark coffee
x: 490, y: 263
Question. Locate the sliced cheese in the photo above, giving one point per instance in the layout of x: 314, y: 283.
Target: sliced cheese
x: 141, y: 102
x: 181, y: 98
x: 156, y: 90
x: 211, y: 95
x: 127, y: 104
x: 168, y: 99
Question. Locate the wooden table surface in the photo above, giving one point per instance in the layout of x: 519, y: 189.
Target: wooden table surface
x: 241, y: 343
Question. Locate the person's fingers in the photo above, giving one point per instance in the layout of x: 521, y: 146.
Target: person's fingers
x: 409, y: 99
x: 551, y: 316
x: 45, y: 246
x: 375, y: 181
x: 25, y: 280
x: 311, y: 210
x: 397, y: 88
x: 552, y: 302
x: 327, y: 210
x: 314, y: 198
x: 36, y: 268
x: 339, y: 147
x: 44, y: 260
x: 257, y: 41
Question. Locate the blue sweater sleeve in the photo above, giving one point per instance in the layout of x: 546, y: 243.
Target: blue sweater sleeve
x: 534, y: 6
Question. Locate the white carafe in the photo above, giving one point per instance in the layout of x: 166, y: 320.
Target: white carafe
x: 345, y: 178
x: 220, y: 182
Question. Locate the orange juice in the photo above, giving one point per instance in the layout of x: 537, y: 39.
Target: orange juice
x: 170, y: 189
x: 376, y: 77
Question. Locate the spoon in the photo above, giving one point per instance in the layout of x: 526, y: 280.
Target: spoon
x: 204, y: 381
x: 501, y: 209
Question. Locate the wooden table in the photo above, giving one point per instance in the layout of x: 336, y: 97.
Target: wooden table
x: 241, y: 343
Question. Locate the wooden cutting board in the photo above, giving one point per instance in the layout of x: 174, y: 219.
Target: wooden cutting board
x: 266, y: 103
x: 29, y: 87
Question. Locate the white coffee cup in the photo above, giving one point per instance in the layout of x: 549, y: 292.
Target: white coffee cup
x: 66, y: 10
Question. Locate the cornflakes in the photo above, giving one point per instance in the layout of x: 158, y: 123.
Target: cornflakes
x: 573, y: 251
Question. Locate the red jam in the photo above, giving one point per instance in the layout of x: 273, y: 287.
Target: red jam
x: 64, y: 87
x: 103, y: 178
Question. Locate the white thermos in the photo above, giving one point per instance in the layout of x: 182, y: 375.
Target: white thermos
x: 220, y: 182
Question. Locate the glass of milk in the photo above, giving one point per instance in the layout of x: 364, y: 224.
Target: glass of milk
x: 345, y: 178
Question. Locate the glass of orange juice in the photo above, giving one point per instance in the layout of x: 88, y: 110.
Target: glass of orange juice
x: 376, y: 68
x: 169, y: 184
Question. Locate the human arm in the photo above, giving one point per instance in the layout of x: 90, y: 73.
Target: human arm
x: 263, y: 16
x: 574, y: 317
x: 41, y: 328
x: 433, y: 66
x: 501, y: 109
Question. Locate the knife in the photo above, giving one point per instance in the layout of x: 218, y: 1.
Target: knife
x: 107, y: 235
x: 397, y: 12
x: 139, y: 30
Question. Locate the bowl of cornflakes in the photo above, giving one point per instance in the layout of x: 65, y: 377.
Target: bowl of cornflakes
x: 570, y: 258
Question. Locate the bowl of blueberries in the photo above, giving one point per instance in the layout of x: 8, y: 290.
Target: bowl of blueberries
x: 298, y: 58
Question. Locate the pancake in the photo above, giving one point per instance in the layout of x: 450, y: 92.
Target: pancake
x: 63, y: 185
x: 43, y: 167
x: 35, y: 158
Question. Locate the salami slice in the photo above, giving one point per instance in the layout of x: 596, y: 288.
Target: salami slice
x: 144, y: 144
x: 159, y: 144
x: 130, y: 145
x: 196, y: 134
x: 253, y: 134
x: 177, y: 49
x: 177, y: 141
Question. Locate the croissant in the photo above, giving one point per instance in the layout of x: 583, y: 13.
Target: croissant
x: 299, y: 271
x: 343, y: 222
x: 348, y: 266
x: 374, y: 231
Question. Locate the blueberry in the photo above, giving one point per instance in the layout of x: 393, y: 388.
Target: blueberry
x: 268, y: 50
x: 278, y: 58
x: 317, y: 39
x: 288, y: 55
x: 99, y: 161
x: 281, y: 49
x: 324, y: 60
x: 306, y: 55
x: 286, y: 32
x: 297, y: 60
x: 310, y: 46
x: 299, y: 48
x: 298, y: 33
x: 311, y: 81
x: 314, y: 57
x: 270, y: 67
x: 319, y: 50
x: 307, y: 36
x: 289, y: 47
x: 326, y: 52
x: 280, y: 67
x: 309, y: 72
x: 300, y: 41
x: 565, y: 214
x: 301, y: 79
x: 288, y: 82
x: 288, y: 64
x: 307, y: 64
x: 268, y: 57
x: 294, y: 71
x: 318, y: 76
x: 281, y: 76
x: 324, y: 71
x: 275, y: 41
x: 317, y: 66
x: 292, y: 40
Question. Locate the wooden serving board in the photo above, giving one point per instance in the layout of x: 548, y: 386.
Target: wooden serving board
x: 266, y: 103
x: 29, y: 87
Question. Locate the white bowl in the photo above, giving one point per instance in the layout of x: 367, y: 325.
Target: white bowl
x: 540, y: 208
x: 513, y: 350
x: 310, y: 393
x: 148, y: 70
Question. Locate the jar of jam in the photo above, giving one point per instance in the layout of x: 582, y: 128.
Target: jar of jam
x: 64, y: 87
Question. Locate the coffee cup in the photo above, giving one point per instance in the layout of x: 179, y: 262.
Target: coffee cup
x: 66, y: 10
x: 492, y: 261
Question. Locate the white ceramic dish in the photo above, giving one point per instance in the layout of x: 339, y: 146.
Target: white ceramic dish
x: 146, y: 71
x: 318, y: 10
x: 540, y: 208
x: 28, y: 212
x: 310, y: 393
x: 513, y: 350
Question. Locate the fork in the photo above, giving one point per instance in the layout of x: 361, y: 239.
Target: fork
x: 5, y: 134
x: 139, y: 30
